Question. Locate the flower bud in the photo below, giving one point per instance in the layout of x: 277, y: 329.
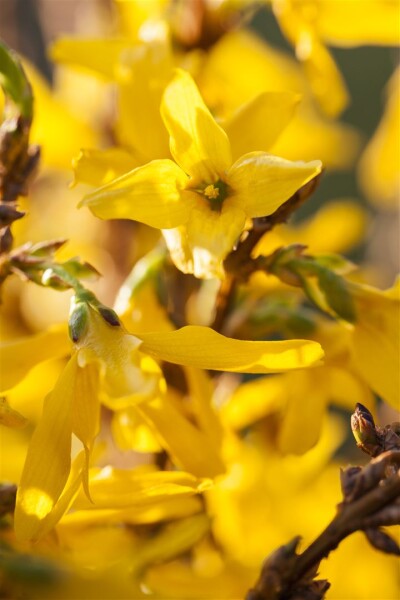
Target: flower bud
x: 364, y: 431
x: 78, y: 320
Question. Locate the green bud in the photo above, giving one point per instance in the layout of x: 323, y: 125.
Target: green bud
x: 78, y: 320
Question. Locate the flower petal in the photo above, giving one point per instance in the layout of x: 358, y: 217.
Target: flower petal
x: 100, y: 56
x: 19, y: 356
x: 261, y: 183
x: 202, y: 245
x: 10, y: 417
x: 257, y: 124
x: 205, y: 348
x: 304, y: 412
x: 122, y: 488
x: 376, y: 339
x: 151, y: 194
x: 191, y: 449
x: 86, y: 412
x: 198, y: 144
x: 48, y: 461
x: 98, y: 167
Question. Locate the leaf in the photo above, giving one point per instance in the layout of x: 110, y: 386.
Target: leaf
x: 14, y: 82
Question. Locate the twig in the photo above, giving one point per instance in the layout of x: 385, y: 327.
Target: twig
x: 371, y: 500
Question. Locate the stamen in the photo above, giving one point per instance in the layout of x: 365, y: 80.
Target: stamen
x: 211, y: 192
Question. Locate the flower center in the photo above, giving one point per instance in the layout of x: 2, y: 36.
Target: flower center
x: 216, y: 194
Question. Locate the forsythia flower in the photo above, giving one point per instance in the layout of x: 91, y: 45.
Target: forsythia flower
x: 202, y: 201
x: 102, y: 355
x: 309, y: 24
x: 114, y: 367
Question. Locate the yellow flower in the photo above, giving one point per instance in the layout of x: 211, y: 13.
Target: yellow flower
x: 202, y: 201
x: 114, y: 367
x: 309, y: 24
x: 105, y: 364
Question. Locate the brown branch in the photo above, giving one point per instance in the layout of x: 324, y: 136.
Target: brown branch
x: 371, y: 500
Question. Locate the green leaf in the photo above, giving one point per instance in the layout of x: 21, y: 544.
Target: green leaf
x: 80, y: 269
x: 14, y: 82
x: 335, y: 262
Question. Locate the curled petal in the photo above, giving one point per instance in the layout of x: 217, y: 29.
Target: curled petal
x: 19, y: 356
x: 205, y: 348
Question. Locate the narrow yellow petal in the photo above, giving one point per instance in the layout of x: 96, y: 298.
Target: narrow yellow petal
x: 302, y: 418
x: 48, y: 461
x: 139, y: 126
x: 261, y: 183
x: 254, y: 400
x: 326, y: 81
x: 201, y: 393
x: 325, y: 78
x: 113, y: 488
x: 19, y: 356
x: 174, y: 507
x: 257, y: 124
x: 98, y: 167
x: 101, y: 56
x: 189, y: 448
x: 66, y: 498
x: 376, y: 340
x: 174, y: 540
x: 86, y: 411
x: 206, y: 349
x: 198, y: 144
x: 10, y: 417
x: 152, y: 194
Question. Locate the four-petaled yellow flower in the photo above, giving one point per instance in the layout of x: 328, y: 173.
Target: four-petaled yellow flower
x: 202, y: 201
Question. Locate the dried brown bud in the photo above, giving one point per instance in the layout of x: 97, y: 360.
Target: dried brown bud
x: 382, y: 541
x: 365, y: 432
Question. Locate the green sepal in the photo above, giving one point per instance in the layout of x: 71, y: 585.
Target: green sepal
x: 78, y: 320
x: 337, y: 294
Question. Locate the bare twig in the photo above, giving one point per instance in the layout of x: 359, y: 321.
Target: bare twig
x: 371, y: 500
